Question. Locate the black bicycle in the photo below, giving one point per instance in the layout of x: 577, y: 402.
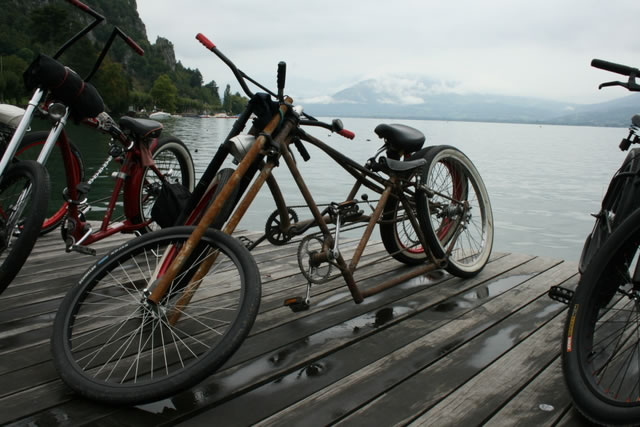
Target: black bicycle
x: 601, y: 342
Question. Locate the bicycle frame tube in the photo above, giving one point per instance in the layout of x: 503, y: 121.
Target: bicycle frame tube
x: 363, y: 175
x: 130, y: 167
x: 213, y: 211
x: 54, y: 134
x: 22, y: 128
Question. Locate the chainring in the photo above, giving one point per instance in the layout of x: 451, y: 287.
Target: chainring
x: 309, y: 246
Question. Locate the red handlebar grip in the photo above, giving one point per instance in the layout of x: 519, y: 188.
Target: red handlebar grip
x: 205, y: 41
x: 135, y: 46
x: 79, y: 4
x: 347, y: 133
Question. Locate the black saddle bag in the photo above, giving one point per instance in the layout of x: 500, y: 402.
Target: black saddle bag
x: 66, y: 85
x: 171, y: 201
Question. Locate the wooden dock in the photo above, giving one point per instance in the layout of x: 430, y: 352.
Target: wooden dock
x: 436, y: 350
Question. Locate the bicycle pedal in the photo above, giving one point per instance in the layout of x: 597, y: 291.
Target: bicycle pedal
x: 82, y: 249
x: 560, y: 294
x: 297, y: 304
x: 248, y: 243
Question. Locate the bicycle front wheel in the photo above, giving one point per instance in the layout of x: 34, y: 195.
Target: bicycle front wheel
x: 601, y: 345
x: 456, y: 218
x: 110, y: 343
x: 24, y: 191
x: 30, y: 149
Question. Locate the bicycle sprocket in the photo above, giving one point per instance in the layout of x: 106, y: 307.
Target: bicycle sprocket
x: 274, y: 234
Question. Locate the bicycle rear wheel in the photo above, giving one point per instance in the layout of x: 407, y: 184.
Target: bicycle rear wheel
x: 457, y: 219
x: 24, y: 192
x: 601, y: 345
x: 110, y: 343
x: 174, y: 161
x: 29, y: 149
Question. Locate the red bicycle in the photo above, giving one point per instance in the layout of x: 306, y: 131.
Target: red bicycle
x: 146, y: 161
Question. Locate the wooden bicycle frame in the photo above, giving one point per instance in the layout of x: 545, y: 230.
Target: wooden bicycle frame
x: 283, y: 139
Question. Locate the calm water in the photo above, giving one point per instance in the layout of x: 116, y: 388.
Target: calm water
x: 543, y: 181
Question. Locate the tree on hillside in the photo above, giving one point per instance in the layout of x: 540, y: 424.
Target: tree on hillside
x: 226, y: 101
x: 113, y: 86
x: 212, y: 97
x: 164, y: 93
x: 238, y: 103
x: 12, y: 88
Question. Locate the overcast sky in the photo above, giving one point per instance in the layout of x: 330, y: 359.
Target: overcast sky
x: 539, y: 48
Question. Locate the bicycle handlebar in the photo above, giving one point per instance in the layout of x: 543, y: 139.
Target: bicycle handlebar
x: 132, y: 44
x: 347, y: 134
x: 619, y: 69
x: 205, y: 41
x: 241, y: 77
x: 615, y: 68
x: 86, y: 8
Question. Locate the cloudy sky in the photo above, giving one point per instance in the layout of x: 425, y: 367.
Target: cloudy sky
x: 539, y: 48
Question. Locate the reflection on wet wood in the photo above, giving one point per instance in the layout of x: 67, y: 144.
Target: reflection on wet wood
x: 435, y: 350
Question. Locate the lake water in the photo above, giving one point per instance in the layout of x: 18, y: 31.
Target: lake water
x: 543, y: 181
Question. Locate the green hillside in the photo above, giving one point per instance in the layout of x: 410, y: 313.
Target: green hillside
x: 125, y: 80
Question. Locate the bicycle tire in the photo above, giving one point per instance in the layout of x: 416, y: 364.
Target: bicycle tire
x: 619, y: 201
x: 169, y: 155
x: 398, y: 236
x: 600, y: 339
x: 19, y: 231
x: 466, y: 242
x: 107, y: 311
x: 29, y: 149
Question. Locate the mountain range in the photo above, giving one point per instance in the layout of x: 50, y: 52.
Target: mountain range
x: 422, y: 98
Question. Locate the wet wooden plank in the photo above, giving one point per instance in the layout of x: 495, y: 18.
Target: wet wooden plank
x: 336, y: 363
x: 395, y: 371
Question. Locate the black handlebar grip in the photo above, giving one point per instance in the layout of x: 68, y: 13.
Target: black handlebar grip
x: 282, y: 75
x: 613, y: 67
x: 302, y: 150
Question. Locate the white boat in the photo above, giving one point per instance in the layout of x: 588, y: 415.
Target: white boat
x: 159, y: 115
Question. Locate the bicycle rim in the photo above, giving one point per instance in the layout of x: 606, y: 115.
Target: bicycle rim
x: 608, y: 343
x: 175, y: 164
x: 24, y: 190
x: 459, y: 221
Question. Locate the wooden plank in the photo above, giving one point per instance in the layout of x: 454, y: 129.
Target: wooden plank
x: 243, y: 375
x: 408, y: 362
x: 305, y: 368
x: 336, y: 363
x: 542, y: 402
